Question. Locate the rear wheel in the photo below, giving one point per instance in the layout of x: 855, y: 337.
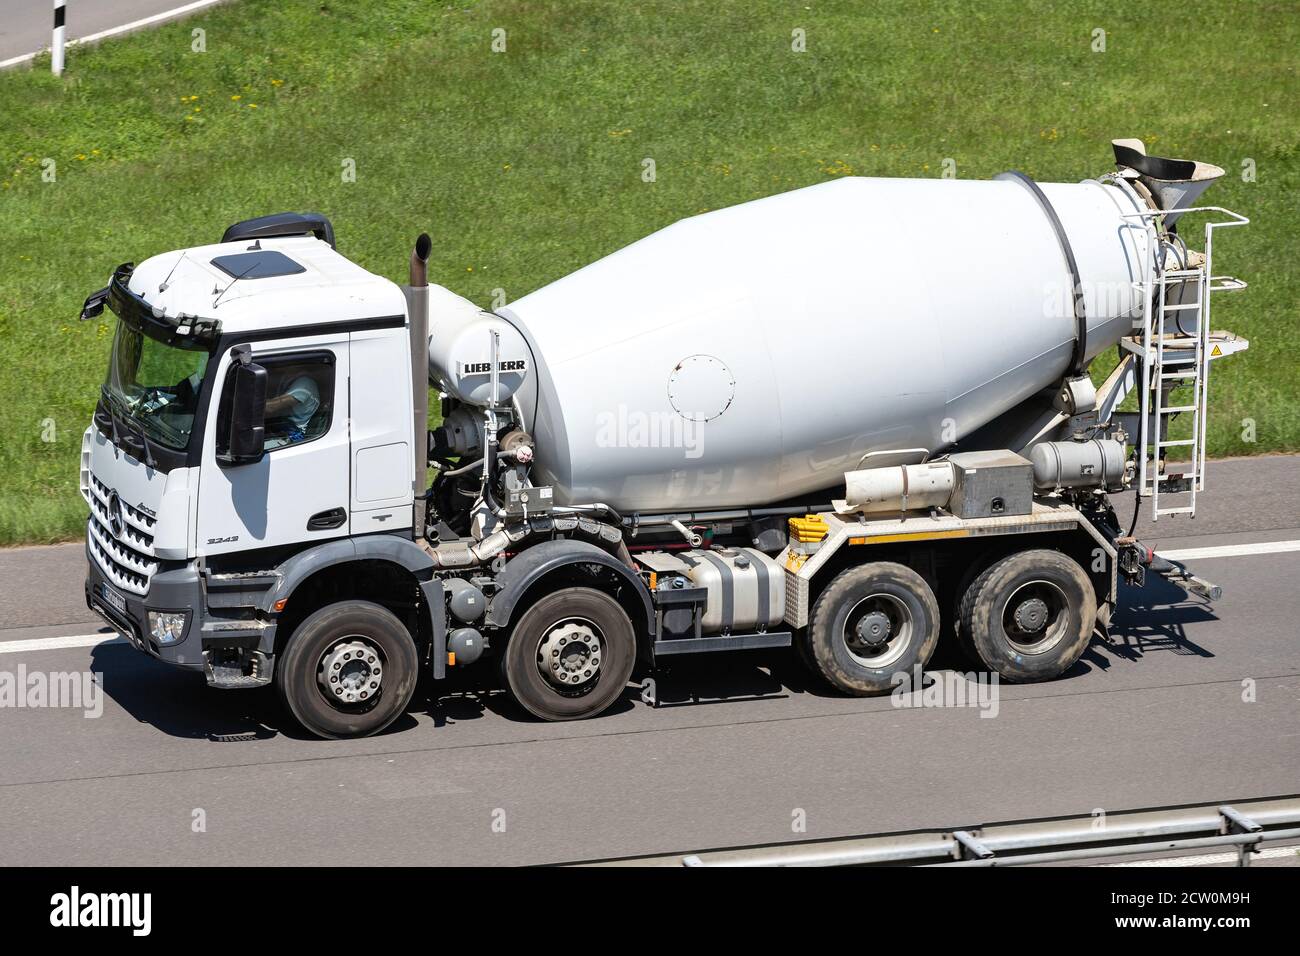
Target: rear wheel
x: 873, y: 622
x: 348, y: 670
x: 1029, y: 617
x: 952, y: 609
x: 570, y: 656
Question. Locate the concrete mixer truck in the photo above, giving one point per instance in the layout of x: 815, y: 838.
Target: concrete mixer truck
x: 853, y: 419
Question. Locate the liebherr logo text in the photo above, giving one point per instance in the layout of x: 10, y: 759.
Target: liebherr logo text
x: 75, y: 909
x: 485, y: 368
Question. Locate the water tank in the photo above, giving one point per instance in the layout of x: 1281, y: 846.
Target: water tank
x: 756, y: 353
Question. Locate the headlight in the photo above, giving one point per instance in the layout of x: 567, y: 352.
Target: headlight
x: 167, y: 627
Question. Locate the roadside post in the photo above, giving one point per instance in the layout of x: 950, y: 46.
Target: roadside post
x: 56, y: 44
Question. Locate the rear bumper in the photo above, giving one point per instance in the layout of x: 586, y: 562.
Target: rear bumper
x: 176, y: 590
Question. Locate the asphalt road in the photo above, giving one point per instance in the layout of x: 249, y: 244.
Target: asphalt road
x: 26, y: 25
x: 739, y: 748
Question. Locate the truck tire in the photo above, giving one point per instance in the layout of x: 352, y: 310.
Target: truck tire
x: 348, y: 670
x: 570, y: 656
x: 803, y: 653
x: 1029, y: 616
x: 873, y: 622
x: 953, y: 602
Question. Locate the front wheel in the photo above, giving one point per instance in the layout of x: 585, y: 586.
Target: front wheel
x: 570, y: 656
x: 348, y: 670
x: 872, y: 623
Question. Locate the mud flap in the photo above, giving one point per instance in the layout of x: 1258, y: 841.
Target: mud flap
x: 432, y: 591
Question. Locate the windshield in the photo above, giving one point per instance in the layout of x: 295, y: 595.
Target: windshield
x: 155, y: 385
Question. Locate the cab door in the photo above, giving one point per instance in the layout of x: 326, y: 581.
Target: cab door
x: 299, y: 491
x: 382, y: 456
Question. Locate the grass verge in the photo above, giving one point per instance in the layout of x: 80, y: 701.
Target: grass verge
x: 527, y: 163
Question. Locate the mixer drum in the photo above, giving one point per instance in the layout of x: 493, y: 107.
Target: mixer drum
x: 756, y: 353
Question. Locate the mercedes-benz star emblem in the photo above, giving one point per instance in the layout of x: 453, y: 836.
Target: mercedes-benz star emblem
x: 115, y: 520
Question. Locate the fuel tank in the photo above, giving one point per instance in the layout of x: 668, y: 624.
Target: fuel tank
x: 756, y: 353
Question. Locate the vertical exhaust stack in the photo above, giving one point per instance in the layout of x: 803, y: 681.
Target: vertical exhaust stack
x: 1173, y: 183
x: 417, y: 300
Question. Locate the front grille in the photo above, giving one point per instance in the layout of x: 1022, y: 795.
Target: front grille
x: 127, y: 558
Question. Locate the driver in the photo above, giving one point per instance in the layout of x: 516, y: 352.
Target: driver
x: 288, y: 413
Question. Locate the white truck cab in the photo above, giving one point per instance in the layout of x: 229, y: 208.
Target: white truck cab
x: 257, y: 402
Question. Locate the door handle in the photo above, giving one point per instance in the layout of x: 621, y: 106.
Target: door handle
x: 325, y: 520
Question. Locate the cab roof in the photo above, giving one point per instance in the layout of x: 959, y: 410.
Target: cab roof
x: 265, y: 284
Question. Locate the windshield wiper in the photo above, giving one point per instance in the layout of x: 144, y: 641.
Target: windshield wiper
x: 144, y: 440
x: 111, y: 400
x: 107, y: 398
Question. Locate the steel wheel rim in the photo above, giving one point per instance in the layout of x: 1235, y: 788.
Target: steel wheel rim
x: 571, y: 656
x: 1019, y: 614
x: 862, y: 635
x: 350, y: 673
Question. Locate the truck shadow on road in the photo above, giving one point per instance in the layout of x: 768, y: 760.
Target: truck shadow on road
x: 1153, y: 618
x: 180, y: 704
x: 708, y: 679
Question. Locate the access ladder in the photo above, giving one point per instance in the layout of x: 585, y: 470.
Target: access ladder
x: 1174, y: 348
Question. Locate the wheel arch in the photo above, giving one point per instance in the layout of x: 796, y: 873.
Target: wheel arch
x: 384, y: 569
x: 563, y: 563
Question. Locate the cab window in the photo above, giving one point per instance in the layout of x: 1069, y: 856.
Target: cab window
x: 299, y: 397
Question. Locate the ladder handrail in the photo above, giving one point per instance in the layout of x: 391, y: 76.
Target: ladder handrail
x: 1239, y: 219
x: 1199, y: 367
x: 1155, y: 272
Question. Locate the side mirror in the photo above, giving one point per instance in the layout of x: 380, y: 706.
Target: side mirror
x: 94, y: 304
x: 245, y: 432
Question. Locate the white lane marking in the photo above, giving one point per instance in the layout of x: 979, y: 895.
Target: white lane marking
x: 58, y: 643
x: 1230, y: 550
x: 15, y: 60
x: 114, y: 31
x: 1209, y: 859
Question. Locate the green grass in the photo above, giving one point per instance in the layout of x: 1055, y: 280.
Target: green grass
x: 527, y: 164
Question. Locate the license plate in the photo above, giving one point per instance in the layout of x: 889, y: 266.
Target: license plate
x: 113, y: 597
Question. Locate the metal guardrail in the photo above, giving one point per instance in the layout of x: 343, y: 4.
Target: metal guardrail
x: 1243, y: 825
